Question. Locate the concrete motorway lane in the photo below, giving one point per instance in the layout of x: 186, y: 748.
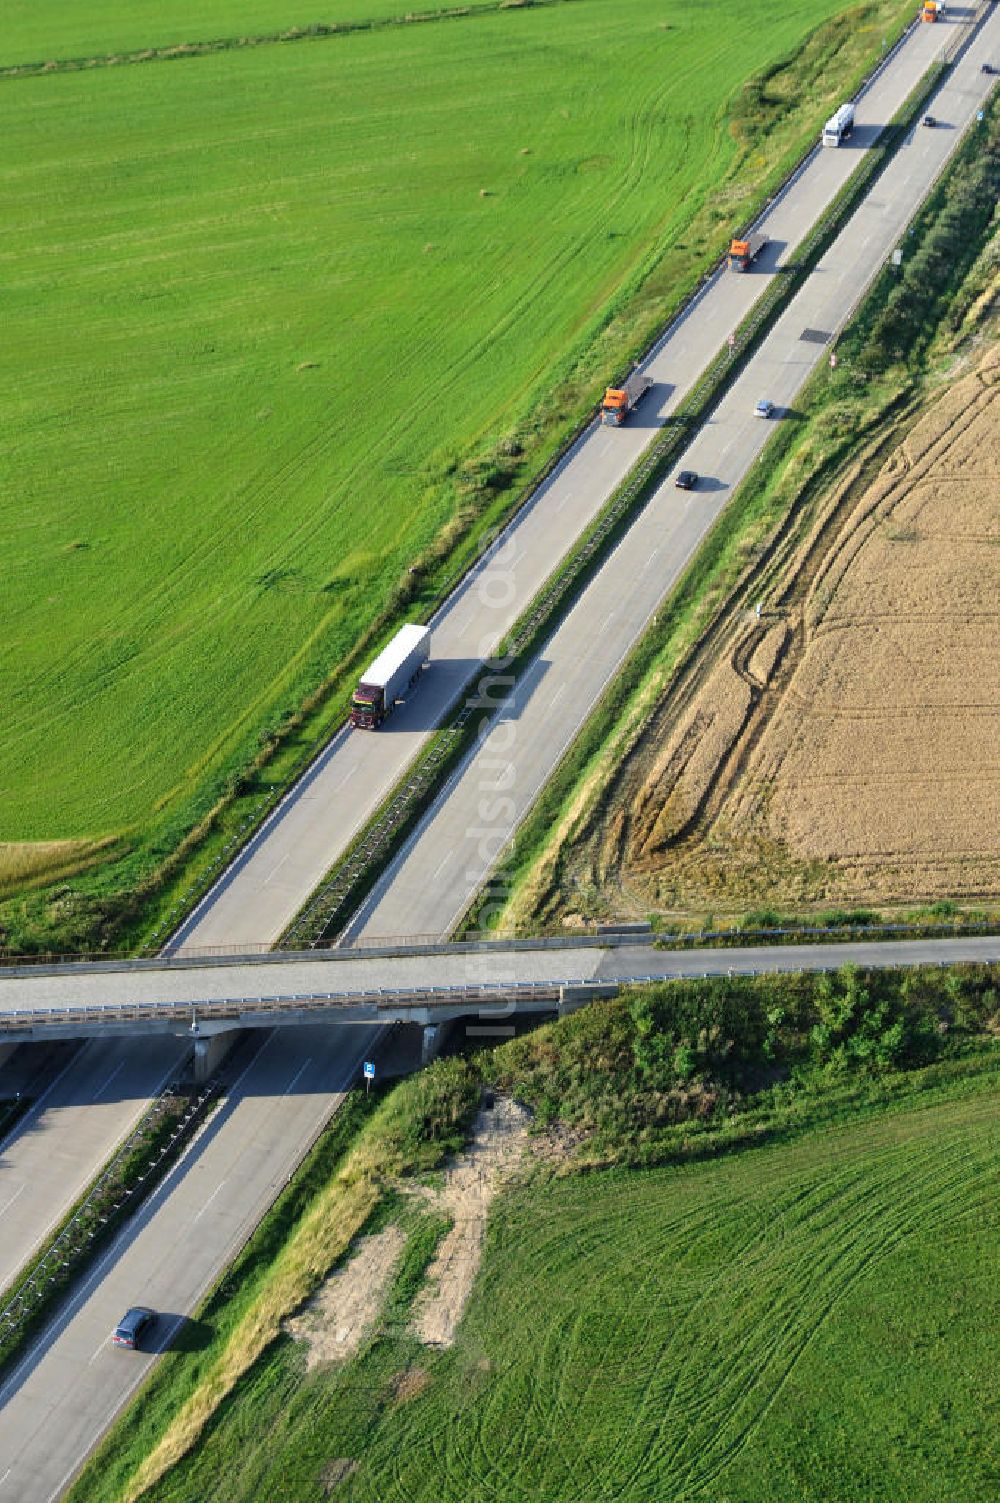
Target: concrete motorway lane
x: 258, y: 896
x: 459, y: 842
x: 57, y: 1403
x: 52, y: 1155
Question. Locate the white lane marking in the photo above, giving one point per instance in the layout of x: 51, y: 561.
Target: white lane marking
x: 609, y: 445
x: 277, y: 869
x: 209, y: 1200
x: 8, y: 1203
x: 557, y: 695
x: 560, y: 504
x: 6, y: 1474
x: 101, y: 1089
x: 347, y: 777
x: 299, y: 1072
x: 441, y: 865
x: 98, y: 1352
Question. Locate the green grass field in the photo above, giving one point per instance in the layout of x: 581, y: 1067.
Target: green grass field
x: 815, y: 1321
x: 260, y: 304
x: 42, y: 30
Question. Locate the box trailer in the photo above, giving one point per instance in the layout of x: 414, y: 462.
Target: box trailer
x: 839, y: 126
x: 393, y: 671
x: 620, y: 400
x: 742, y: 253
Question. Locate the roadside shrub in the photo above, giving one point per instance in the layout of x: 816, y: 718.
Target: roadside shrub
x: 861, y: 1022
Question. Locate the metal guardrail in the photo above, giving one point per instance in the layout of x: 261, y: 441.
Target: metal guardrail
x: 492, y: 942
x: 221, y: 1008
x: 480, y: 994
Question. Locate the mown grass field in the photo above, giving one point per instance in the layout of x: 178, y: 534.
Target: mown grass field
x: 262, y: 305
x: 814, y: 1321
x: 44, y: 30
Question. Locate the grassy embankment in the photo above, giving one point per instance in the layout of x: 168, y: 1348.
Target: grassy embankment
x: 905, y: 337
x: 250, y: 428
x: 727, y: 1300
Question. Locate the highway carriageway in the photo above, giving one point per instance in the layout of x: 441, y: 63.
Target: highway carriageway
x: 426, y: 985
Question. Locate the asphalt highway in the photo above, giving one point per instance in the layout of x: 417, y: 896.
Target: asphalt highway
x: 261, y: 892
x: 57, y: 1404
x: 430, y: 885
x: 69, y: 1132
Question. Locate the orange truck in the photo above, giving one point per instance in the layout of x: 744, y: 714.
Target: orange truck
x: 931, y: 11
x: 620, y: 400
x: 742, y: 253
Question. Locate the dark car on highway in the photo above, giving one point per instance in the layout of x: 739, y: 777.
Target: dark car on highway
x: 686, y: 480
x: 132, y: 1326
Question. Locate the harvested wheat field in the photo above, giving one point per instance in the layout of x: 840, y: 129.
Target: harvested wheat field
x: 842, y: 747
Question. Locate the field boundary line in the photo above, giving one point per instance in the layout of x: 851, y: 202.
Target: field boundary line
x: 317, y: 31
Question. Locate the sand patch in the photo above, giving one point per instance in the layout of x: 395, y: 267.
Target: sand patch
x: 335, y: 1320
x: 470, y: 1185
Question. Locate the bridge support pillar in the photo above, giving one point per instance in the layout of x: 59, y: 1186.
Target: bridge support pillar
x: 209, y: 1052
x: 6, y: 1050
x: 435, y: 1036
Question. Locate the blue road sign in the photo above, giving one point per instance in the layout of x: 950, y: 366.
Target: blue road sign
x: 369, y: 1069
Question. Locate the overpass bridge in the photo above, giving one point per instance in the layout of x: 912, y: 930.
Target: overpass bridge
x: 426, y: 985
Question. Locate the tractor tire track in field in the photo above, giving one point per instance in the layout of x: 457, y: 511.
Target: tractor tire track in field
x: 689, y: 1314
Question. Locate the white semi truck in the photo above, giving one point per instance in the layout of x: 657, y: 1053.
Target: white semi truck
x: 393, y: 671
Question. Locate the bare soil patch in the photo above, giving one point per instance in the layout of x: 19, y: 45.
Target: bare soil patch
x: 409, y: 1384
x: 470, y: 1186
x: 336, y: 1319
x: 335, y: 1472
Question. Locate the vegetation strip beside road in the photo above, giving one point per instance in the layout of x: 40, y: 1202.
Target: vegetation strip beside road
x: 678, y: 1074
x: 357, y: 871
x: 888, y: 341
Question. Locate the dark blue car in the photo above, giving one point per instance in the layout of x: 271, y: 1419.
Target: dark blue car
x: 132, y: 1325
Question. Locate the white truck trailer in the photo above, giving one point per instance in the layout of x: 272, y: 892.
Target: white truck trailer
x: 839, y: 126
x: 393, y: 671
